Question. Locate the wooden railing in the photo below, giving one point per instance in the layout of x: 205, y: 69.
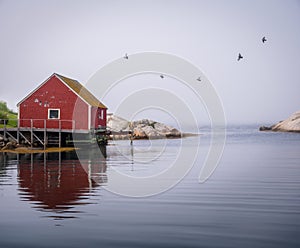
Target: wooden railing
x: 38, y: 124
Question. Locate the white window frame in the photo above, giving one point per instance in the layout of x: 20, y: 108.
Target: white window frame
x: 53, y: 118
x: 101, y: 115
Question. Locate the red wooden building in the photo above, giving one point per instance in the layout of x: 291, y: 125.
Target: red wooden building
x: 61, y: 103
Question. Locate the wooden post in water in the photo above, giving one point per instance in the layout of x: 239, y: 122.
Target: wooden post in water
x: 45, y: 134
x: 131, y: 133
x: 45, y: 159
x: 31, y: 132
x: 59, y: 134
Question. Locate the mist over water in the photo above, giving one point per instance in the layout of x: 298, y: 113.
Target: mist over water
x: 251, y: 200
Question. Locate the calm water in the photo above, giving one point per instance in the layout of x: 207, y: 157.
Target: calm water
x: 251, y: 200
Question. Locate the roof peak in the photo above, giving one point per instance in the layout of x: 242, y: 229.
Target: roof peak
x: 76, y: 87
x: 81, y: 91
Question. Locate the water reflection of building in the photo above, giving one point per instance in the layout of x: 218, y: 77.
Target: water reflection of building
x: 58, y: 181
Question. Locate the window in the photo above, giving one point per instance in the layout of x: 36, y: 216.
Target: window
x: 53, y: 113
x: 101, y: 115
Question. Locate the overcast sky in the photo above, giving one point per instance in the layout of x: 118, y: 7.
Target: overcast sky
x: 76, y: 38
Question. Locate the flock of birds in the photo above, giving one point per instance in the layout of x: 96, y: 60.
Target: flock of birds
x: 199, y: 78
x: 240, y: 55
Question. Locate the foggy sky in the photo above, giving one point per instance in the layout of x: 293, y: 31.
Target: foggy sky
x: 76, y: 38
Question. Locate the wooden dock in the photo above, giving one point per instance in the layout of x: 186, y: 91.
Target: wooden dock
x: 47, y: 137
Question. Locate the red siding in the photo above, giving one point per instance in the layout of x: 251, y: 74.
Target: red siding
x: 98, y: 117
x: 54, y: 95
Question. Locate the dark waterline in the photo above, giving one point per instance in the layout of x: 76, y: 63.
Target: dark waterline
x: 251, y: 200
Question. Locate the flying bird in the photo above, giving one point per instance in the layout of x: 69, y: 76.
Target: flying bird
x: 126, y: 56
x: 199, y: 79
x: 240, y: 57
x: 264, y: 39
x: 161, y: 76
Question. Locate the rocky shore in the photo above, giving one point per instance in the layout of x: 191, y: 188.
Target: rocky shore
x: 291, y: 124
x: 142, y: 129
x: 7, y: 144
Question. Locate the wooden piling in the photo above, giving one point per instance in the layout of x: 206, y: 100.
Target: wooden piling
x: 45, y: 134
x: 31, y: 132
x: 59, y: 134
